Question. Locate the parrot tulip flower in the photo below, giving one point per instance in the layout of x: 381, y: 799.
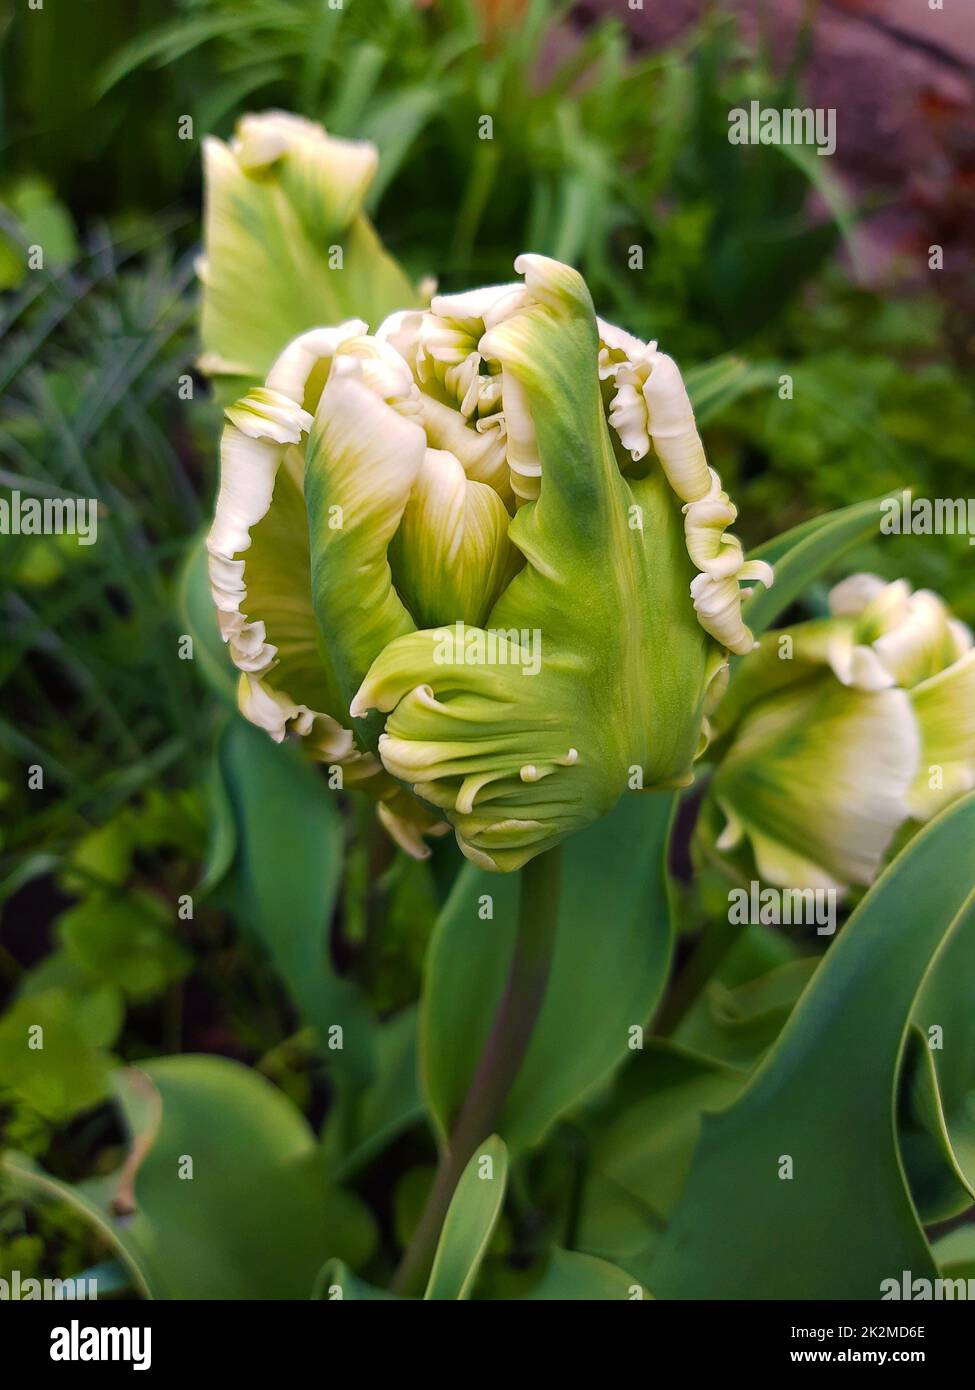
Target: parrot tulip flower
x: 838, y: 731
x: 286, y: 244
x: 444, y: 557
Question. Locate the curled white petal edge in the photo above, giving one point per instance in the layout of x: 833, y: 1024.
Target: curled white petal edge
x: 650, y: 406
x: 260, y: 427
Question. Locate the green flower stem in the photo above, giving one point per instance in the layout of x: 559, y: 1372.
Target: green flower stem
x: 504, y: 1051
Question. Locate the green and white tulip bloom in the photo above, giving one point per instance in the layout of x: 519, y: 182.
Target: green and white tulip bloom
x: 445, y: 557
x: 286, y: 244
x: 838, y: 731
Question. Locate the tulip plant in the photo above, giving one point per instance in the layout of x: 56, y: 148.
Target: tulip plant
x: 475, y: 574
x: 471, y: 555
x: 445, y: 557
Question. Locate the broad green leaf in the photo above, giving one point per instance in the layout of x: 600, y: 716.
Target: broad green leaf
x: 255, y: 1216
x: 34, y: 217
x: 59, y: 971
x: 736, y: 1025
x: 614, y: 935
x: 110, y: 1277
x: 571, y: 1276
x: 823, y: 1100
x: 102, y: 857
x: 955, y: 1253
x: 757, y: 951
x: 28, y: 1180
x: 285, y: 878
x: 642, y: 1139
x: 945, y: 1020
x: 388, y: 1105
x: 802, y: 554
x: 470, y: 1221
x: 221, y: 846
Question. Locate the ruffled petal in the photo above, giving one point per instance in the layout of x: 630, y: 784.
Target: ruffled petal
x: 921, y: 644
x: 717, y: 603
x: 585, y: 682
x: 944, y: 705
x: 278, y: 199
x: 885, y: 635
x: 263, y: 598
x: 471, y: 731
x: 818, y: 779
x: 451, y: 557
x: 650, y: 405
x: 712, y: 549
x: 362, y: 460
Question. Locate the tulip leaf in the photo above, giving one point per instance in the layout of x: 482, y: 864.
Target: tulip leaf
x: 613, y: 933
x: 939, y: 1146
x: 388, y: 1105
x: 938, y: 1182
x: 470, y: 1221
x: 253, y: 1217
x: 713, y: 386
x: 284, y: 882
x: 166, y: 43
x: 30, y: 1182
x: 802, y: 554
x: 809, y: 1150
x: 642, y: 1138
x: 572, y: 1276
x: 736, y: 1024
x: 955, y: 1253
x: 394, y: 124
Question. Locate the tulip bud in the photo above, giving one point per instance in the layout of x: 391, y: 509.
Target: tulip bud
x: 837, y: 731
x: 286, y: 243
x: 445, y: 558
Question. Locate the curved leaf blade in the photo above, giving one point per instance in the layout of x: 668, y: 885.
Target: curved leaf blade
x: 945, y: 1032
x: 802, y: 554
x: 824, y: 1096
x: 938, y: 1182
x: 285, y: 878
x: 469, y: 1224
x: 255, y: 1215
x: 642, y: 1140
